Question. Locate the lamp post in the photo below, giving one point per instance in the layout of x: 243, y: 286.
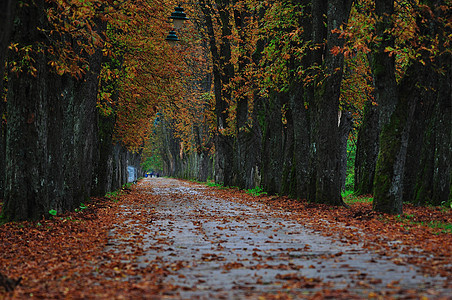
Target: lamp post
x: 172, y: 38
x: 178, y: 17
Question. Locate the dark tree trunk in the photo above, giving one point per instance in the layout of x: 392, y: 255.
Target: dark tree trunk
x: 104, y: 174
x: 2, y: 150
x: 225, y: 143
x: 326, y: 131
x: 7, y: 9
x: 383, y: 69
x: 367, y: 151
x: 442, y: 165
x: 425, y: 82
x: 388, y: 186
x: 247, y: 142
x: 289, y: 179
x: 7, y: 12
x: 383, y: 64
x: 34, y: 183
x: 119, y: 166
x: 202, y: 155
x: 81, y: 135
x: 301, y: 130
x: 272, y: 145
x: 433, y: 184
x: 51, y: 130
x: 171, y: 154
x: 345, y: 126
x: 420, y: 153
x: 300, y: 98
x: 428, y: 177
x: 223, y: 71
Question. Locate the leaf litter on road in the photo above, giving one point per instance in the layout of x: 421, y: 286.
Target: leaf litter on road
x: 176, y: 239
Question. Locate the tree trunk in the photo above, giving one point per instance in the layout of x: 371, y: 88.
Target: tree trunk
x: 420, y: 153
x: 34, y: 154
x: 326, y: 131
x: 272, y: 145
x: 7, y: 10
x: 429, y: 174
x: 345, y: 126
x: 2, y: 150
x: 425, y: 80
x: 383, y: 69
x: 247, y: 140
x: 85, y: 130
x: 388, y: 186
x: 301, y: 128
x: 442, y: 166
x: 440, y: 123
x: 51, y: 130
x: 383, y: 64
x: 366, y: 151
x: 103, y: 181
x: 289, y: 179
x: 222, y: 70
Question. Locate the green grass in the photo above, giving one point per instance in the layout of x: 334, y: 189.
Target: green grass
x: 219, y: 185
x: 445, y: 227
x: 351, y: 154
x: 114, y: 196
x: 257, y: 191
x: 350, y: 198
x: 408, y: 219
x: 214, y: 184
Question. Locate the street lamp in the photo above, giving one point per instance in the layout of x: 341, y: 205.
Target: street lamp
x: 172, y: 38
x: 178, y: 17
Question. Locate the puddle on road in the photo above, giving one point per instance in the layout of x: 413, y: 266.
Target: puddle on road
x: 227, y: 249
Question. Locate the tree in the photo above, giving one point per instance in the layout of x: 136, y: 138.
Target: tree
x: 7, y: 9
x: 51, y: 115
x: 328, y: 183
x: 427, y: 63
x: 428, y: 169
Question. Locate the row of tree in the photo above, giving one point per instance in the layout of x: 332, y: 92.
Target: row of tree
x: 292, y: 78
x: 72, y: 100
x: 257, y: 93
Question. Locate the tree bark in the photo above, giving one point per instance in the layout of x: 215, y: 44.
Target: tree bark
x: 104, y: 173
x: 383, y: 69
x: 247, y: 136
x: 223, y: 71
x: 429, y: 174
x: 7, y: 9
x: 345, y: 126
x: 301, y: 129
x: 52, y: 127
x: 273, y: 137
x: 34, y: 158
x: 442, y: 166
x: 326, y: 131
x: 7, y: 12
x: 388, y: 186
x: 366, y: 151
x: 425, y: 80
